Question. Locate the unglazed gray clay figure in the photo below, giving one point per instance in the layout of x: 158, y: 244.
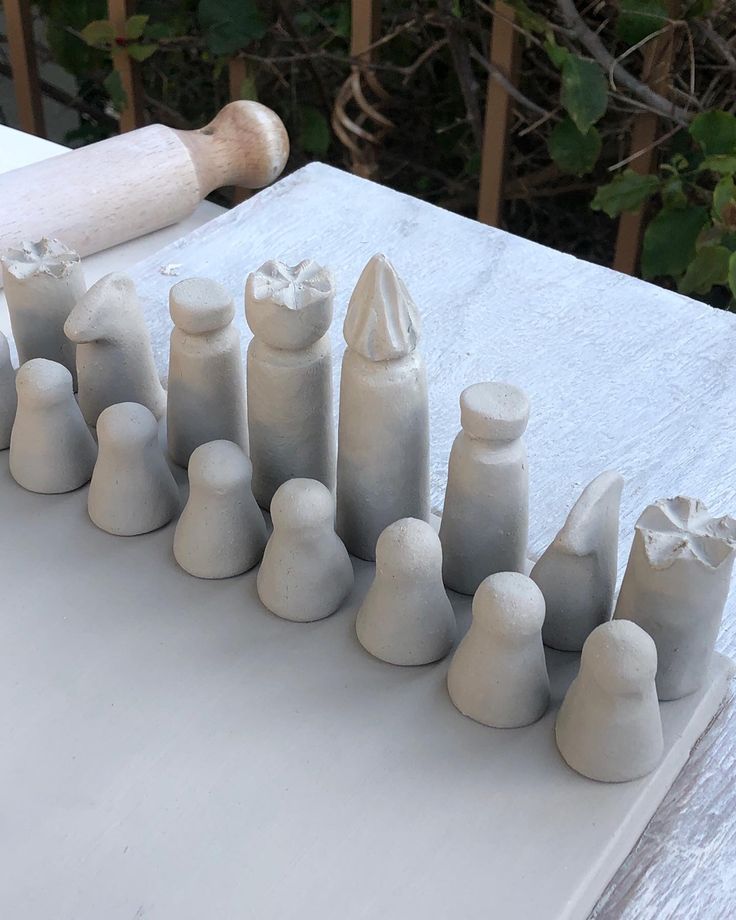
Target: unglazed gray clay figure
x: 306, y: 572
x: 676, y: 585
x: 485, y: 521
x: 132, y: 489
x: 8, y: 395
x: 498, y: 675
x: 221, y: 531
x: 290, y: 419
x: 406, y: 617
x: 51, y: 447
x: 383, y: 432
x: 609, y: 726
x: 43, y: 281
x: 206, y: 391
x: 577, y: 571
x: 114, y: 355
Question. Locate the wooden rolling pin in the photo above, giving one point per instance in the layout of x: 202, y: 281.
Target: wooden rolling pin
x: 134, y: 183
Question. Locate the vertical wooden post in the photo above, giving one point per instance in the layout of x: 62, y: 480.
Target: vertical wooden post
x: 365, y: 23
x: 19, y: 26
x: 504, y: 55
x: 237, y: 74
x: 132, y: 114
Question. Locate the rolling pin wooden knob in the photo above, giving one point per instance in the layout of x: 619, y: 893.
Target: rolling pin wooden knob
x: 123, y: 187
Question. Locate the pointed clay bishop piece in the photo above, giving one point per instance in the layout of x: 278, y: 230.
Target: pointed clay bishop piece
x: 406, y: 617
x: 8, y: 395
x: 114, y: 355
x: 221, y: 531
x: 132, y: 489
x: 609, y: 727
x: 51, y: 447
x: 498, y: 675
x: 577, y: 571
x: 306, y: 572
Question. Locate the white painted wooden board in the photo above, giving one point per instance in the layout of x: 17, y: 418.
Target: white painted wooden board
x: 173, y: 751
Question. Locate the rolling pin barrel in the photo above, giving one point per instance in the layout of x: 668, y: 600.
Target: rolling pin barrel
x: 135, y: 183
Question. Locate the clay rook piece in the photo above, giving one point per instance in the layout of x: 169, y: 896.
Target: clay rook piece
x: 114, y: 355
x: 43, y: 281
x: 8, y: 395
x: 221, y: 531
x: 132, y: 489
x: 290, y: 419
x: 676, y: 585
x: 306, y: 572
x: 577, y: 571
x: 206, y: 394
x: 383, y: 432
x: 51, y: 447
x: 498, y: 675
x: 609, y: 727
x: 406, y: 617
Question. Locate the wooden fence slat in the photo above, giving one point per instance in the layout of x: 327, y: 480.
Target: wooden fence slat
x: 26, y: 85
x: 365, y: 23
x: 237, y: 70
x: 132, y: 114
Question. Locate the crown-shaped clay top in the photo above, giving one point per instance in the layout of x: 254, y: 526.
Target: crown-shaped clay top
x: 682, y: 528
x: 382, y: 322
x: 46, y: 257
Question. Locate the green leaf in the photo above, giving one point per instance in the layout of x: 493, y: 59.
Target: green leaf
x: 722, y: 163
x: 673, y: 194
x: 732, y: 273
x: 98, y: 34
x: 528, y: 19
x: 135, y: 26
x: 555, y: 52
x: 639, y: 18
x: 627, y: 192
x: 584, y: 91
x: 709, y: 267
x: 669, y: 241
x: 314, y: 136
x: 573, y: 152
x: 141, y: 52
x: 229, y: 25
x: 715, y: 131
x: 723, y: 194
x: 697, y: 8
x: 114, y: 86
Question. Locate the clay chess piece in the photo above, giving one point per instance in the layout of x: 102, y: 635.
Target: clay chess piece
x: 290, y: 419
x: 132, y: 489
x: 485, y: 521
x: 43, y: 281
x: 406, y: 617
x: 383, y: 432
x: 51, y: 447
x: 8, y: 395
x: 577, y: 571
x: 676, y: 585
x: 221, y: 531
x: 306, y: 572
x: 114, y: 355
x: 498, y: 675
x: 206, y: 392
x: 609, y: 726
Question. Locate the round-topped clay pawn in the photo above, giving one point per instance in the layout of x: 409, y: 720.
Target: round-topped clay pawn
x: 8, y: 395
x: 132, y: 489
x: 306, y: 572
x: 609, y: 726
x: 485, y: 520
x: 51, y: 447
x: 498, y: 675
x: 221, y: 531
x: 406, y: 617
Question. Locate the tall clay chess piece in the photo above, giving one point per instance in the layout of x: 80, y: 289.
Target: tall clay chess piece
x: 676, y: 585
x: 51, y: 447
x: 383, y: 433
x: 609, y: 727
x: 498, y: 675
x: 132, y: 489
x: 577, y: 571
x: 406, y: 617
x: 206, y: 394
x: 114, y: 355
x: 8, y: 395
x: 290, y: 419
x: 221, y: 531
x: 485, y: 521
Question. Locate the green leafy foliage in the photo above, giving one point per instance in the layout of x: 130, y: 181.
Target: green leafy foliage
x: 584, y: 92
x: 99, y: 34
x: 715, y: 132
x: 627, y: 192
x: 114, y: 86
x: 135, y: 26
x: 639, y: 18
x: 573, y: 152
x: 709, y: 267
x: 314, y: 136
x: 230, y: 25
x: 669, y: 241
x: 732, y: 274
x: 724, y: 196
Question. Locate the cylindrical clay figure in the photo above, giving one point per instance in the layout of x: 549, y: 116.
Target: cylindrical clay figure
x: 485, y: 520
x: 383, y: 434
x: 206, y: 398
x: 290, y: 419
